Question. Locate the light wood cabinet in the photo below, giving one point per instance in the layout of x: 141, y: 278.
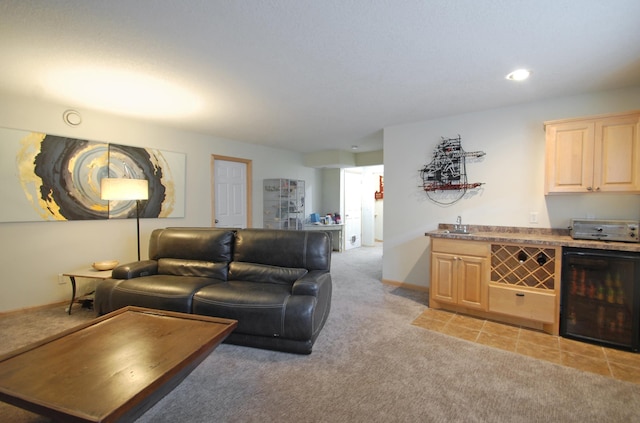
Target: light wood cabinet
x: 529, y: 304
x: 525, y: 283
x: 459, y: 274
x: 594, y: 154
x: 513, y: 283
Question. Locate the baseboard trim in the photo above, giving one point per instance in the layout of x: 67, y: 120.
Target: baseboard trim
x: 405, y: 285
x: 34, y: 308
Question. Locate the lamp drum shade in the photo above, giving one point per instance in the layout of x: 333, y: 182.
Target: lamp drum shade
x: 124, y: 189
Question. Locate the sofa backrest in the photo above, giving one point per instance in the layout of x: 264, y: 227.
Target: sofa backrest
x: 309, y: 250
x: 192, y: 251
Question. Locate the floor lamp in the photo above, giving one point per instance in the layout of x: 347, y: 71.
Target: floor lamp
x: 122, y: 189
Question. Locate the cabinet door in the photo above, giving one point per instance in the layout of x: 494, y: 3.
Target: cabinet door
x: 472, y: 291
x: 443, y: 273
x: 617, y: 155
x: 570, y: 155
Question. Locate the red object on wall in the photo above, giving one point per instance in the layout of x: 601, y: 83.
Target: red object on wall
x: 380, y: 194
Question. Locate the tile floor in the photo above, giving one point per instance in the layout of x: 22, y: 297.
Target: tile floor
x: 610, y: 362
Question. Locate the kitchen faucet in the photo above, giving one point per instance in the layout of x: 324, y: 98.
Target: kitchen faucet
x: 459, y: 227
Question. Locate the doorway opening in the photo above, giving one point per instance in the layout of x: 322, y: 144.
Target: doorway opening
x: 363, y: 201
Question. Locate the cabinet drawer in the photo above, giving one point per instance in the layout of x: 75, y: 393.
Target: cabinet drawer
x: 454, y: 246
x: 538, y: 306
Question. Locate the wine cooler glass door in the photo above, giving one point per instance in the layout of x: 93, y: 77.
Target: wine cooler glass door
x: 601, y: 297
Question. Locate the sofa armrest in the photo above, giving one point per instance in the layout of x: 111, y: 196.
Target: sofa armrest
x: 135, y: 269
x: 311, y: 283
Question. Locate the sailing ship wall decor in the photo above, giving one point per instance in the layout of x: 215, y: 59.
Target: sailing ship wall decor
x: 447, y: 171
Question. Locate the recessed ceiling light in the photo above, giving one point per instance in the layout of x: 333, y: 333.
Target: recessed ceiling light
x: 354, y: 147
x: 519, y: 75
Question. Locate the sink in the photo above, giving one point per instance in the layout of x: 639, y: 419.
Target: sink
x: 456, y: 231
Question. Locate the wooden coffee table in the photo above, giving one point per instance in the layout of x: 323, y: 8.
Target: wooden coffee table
x: 113, y: 368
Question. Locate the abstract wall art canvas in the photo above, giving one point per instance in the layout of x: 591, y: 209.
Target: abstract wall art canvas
x: 48, y: 177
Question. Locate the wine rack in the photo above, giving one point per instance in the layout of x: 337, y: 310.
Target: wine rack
x: 528, y: 266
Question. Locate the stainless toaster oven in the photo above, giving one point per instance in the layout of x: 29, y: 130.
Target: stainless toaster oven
x: 605, y: 230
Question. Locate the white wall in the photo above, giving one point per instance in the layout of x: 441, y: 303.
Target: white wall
x: 372, y: 213
x: 32, y: 254
x: 512, y: 170
x: 332, y: 183
x: 379, y: 220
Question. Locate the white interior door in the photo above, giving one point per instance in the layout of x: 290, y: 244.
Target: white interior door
x: 352, y: 209
x: 230, y: 194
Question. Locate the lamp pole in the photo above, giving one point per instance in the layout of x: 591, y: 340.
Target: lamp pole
x: 138, y: 225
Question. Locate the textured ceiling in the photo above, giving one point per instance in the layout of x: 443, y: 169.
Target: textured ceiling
x: 311, y: 75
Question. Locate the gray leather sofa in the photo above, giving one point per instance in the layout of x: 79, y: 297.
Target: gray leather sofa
x: 276, y: 283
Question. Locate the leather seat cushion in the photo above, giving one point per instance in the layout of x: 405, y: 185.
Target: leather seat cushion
x: 261, y: 309
x: 165, y: 292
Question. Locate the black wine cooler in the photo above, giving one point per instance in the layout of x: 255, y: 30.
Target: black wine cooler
x: 600, y: 300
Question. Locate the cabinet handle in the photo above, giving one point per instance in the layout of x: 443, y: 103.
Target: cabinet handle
x: 589, y: 189
x: 519, y: 294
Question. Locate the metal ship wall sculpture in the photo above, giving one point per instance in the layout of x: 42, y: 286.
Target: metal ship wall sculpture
x: 447, y: 170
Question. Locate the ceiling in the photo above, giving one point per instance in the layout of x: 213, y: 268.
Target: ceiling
x: 311, y: 75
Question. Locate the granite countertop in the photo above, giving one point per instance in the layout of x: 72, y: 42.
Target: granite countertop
x: 534, y: 236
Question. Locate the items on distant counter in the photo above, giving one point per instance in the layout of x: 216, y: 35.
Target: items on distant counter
x: 329, y: 219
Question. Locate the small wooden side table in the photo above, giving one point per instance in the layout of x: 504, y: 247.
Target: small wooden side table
x: 84, y: 273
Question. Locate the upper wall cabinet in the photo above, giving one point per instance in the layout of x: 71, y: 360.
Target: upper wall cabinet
x: 593, y: 154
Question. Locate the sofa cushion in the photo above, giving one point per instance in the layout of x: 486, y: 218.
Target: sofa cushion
x: 184, y: 267
x: 253, y: 272
x: 214, y: 245
x: 164, y: 292
x: 261, y: 309
x: 298, y: 249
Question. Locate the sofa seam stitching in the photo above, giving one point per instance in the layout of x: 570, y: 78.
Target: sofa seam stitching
x: 283, y: 314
